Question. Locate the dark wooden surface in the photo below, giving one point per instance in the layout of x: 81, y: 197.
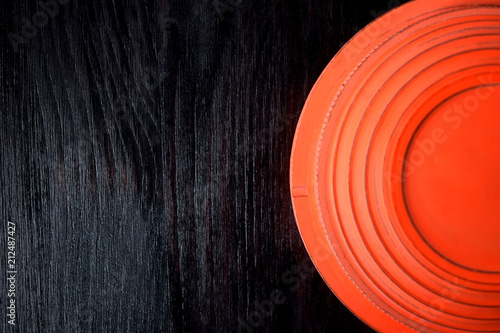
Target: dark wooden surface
x: 144, y: 160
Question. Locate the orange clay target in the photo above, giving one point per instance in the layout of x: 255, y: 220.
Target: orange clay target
x: 395, y: 169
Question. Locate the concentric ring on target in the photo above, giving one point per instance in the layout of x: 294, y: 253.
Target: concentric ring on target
x: 395, y: 169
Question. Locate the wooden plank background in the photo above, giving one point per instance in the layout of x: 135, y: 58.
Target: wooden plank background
x: 144, y: 155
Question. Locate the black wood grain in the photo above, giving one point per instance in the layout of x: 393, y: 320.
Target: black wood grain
x: 144, y: 160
